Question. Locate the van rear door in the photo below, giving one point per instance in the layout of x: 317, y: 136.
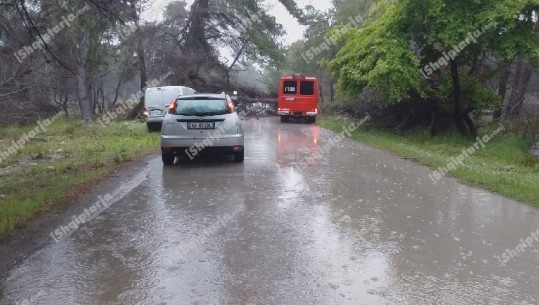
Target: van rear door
x: 299, y: 95
x: 157, y: 100
x: 153, y: 102
x: 170, y: 95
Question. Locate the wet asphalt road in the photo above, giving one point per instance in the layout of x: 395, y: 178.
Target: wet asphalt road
x: 359, y: 227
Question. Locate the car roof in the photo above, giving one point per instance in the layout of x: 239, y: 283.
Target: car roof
x: 299, y: 78
x: 167, y: 87
x: 207, y: 95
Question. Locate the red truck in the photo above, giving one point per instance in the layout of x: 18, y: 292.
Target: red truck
x: 298, y: 98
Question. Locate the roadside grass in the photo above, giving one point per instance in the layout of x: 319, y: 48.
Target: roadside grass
x: 61, y: 161
x: 503, y: 166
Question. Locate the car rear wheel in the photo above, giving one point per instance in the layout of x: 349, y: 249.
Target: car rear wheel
x: 284, y: 119
x: 311, y: 119
x: 239, y: 157
x: 168, y: 158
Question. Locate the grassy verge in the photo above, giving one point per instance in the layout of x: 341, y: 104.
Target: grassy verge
x: 60, y: 161
x: 503, y: 166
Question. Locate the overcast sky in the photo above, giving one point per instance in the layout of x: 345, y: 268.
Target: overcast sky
x: 294, y: 31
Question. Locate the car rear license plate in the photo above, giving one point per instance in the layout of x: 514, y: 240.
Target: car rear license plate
x: 201, y: 125
x: 156, y: 112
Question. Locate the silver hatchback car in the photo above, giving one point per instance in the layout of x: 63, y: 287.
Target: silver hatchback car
x: 201, y: 123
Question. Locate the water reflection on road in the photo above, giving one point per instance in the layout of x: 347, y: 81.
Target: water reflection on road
x: 358, y: 226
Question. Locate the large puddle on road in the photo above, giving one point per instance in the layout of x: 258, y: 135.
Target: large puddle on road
x: 357, y: 226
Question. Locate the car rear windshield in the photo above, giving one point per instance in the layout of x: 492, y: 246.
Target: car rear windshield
x: 290, y: 87
x: 202, y: 106
x: 307, y: 88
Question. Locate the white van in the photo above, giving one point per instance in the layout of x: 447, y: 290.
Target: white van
x: 157, y: 100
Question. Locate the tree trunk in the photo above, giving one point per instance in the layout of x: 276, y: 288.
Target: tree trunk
x: 331, y: 89
x: 228, y: 70
x: 65, y: 105
x: 457, y: 107
x: 502, y: 89
x: 143, y: 74
x: 471, y: 125
x: 321, y: 92
x: 196, y: 38
x: 434, y: 120
x: 515, y: 82
x: 519, y: 88
x: 141, y: 60
x: 82, y: 93
x: 117, y: 90
x: 81, y: 75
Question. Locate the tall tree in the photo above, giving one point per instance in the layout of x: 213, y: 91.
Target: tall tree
x: 431, y: 50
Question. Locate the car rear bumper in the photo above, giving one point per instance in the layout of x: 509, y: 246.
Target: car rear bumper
x: 155, y: 119
x: 184, y: 142
x: 192, y: 152
x: 296, y: 113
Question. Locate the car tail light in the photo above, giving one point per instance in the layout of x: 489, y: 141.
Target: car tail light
x: 230, y: 106
x: 145, y: 112
x: 172, y: 107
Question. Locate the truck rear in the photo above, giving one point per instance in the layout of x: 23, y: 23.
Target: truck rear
x: 298, y: 98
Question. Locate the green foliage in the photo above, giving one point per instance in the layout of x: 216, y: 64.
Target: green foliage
x: 295, y: 62
x: 247, y: 28
x: 401, y: 37
x: 377, y: 56
x: 477, y: 96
